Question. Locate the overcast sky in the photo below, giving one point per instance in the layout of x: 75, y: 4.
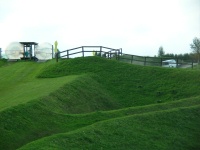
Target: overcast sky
x: 139, y: 27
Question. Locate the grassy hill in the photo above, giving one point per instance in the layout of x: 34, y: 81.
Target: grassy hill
x: 132, y: 85
x: 19, y: 84
x: 171, y: 129
x: 94, y: 103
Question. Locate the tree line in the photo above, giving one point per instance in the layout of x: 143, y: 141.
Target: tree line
x: 194, y: 54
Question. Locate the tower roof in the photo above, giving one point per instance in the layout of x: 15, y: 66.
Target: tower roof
x: 29, y: 43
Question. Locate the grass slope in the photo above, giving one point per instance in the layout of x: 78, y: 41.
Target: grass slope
x: 45, y: 115
x: 132, y: 85
x: 32, y: 121
x: 3, y: 62
x: 83, y: 91
x: 19, y: 84
x: 156, y: 130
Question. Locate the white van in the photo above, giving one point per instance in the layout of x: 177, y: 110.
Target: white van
x: 169, y: 63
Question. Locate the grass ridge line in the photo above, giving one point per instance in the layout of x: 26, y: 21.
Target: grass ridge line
x: 113, y: 120
x: 106, y: 116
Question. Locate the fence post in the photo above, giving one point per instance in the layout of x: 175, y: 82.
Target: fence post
x: 161, y: 61
x: 67, y: 54
x: 56, y: 56
x: 192, y: 64
x: 145, y: 61
x: 132, y: 59
x: 83, y: 51
x: 177, y: 62
x: 118, y: 54
x: 100, y: 50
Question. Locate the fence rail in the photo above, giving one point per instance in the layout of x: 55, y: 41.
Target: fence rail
x: 87, y: 51
x: 117, y: 54
x: 157, y: 61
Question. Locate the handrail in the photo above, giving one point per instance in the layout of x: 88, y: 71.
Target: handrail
x: 117, y: 53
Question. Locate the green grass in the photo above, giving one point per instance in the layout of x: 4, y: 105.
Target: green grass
x: 95, y: 103
x: 25, y: 115
x: 28, y: 91
x: 132, y: 85
x: 156, y: 130
x: 2, y: 62
x: 19, y: 84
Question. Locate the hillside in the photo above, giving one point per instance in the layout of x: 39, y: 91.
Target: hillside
x: 155, y: 130
x: 83, y: 99
x: 131, y: 85
x: 19, y: 84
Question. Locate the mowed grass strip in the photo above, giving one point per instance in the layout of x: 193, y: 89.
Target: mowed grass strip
x: 27, y: 91
x: 18, y: 83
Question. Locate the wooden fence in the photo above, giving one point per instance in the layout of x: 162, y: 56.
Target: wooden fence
x: 88, y: 51
x: 156, y: 61
x: 117, y: 54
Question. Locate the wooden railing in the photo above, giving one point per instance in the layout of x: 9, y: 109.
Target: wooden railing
x: 156, y: 61
x: 117, y: 54
x: 83, y: 51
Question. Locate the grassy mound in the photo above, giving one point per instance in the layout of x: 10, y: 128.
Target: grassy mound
x: 84, y: 99
x: 44, y: 116
x: 32, y: 121
x: 132, y: 85
x: 83, y: 95
x: 171, y: 129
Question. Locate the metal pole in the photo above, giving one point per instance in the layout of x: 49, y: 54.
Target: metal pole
x: 52, y: 51
x: 117, y: 54
x: 56, y: 56
x: 24, y: 51
x: 34, y: 50
x: 100, y: 50
x: 30, y: 51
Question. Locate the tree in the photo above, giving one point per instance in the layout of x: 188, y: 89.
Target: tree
x: 195, y: 46
x: 169, y: 55
x: 161, y: 52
